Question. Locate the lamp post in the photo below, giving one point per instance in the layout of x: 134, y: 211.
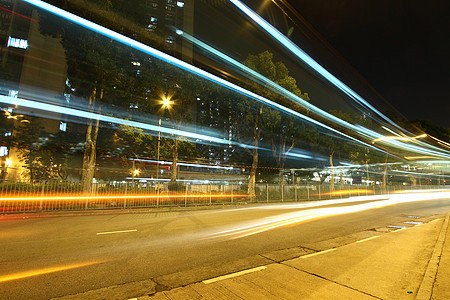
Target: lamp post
x: 157, y: 157
x: 165, y: 105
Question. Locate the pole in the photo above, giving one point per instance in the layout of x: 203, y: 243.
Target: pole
x: 157, y: 157
x: 231, y: 194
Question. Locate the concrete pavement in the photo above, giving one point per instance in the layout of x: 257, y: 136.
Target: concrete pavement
x: 410, y: 263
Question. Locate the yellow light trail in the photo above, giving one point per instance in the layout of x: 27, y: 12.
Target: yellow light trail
x: 347, y: 192
x: 304, y: 215
x: 26, y: 274
x: 65, y: 198
x: 399, y: 138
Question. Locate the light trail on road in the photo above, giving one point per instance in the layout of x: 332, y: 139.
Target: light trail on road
x: 255, y: 227
x: 37, y: 272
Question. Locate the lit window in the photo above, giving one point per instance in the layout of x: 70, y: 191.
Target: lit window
x: 17, y: 43
x: 3, y: 151
x: 63, y: 126
x: 67, y: 97
x: 180, y: 3
x: 13, y: 93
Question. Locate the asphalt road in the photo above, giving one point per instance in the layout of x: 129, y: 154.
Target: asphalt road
x: 47, y: 257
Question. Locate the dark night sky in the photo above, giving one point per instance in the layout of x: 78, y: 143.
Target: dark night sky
x: 401, y: 47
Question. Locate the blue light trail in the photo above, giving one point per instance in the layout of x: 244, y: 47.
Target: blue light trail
x: 190, y: 68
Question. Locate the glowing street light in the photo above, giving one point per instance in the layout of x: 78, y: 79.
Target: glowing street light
x: 166, y: 103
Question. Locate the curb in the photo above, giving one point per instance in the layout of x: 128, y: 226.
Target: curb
x: 426, y: 287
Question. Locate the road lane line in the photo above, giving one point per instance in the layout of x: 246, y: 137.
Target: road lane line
x: 414, y: 223
x: 368, y: 239
x: 233, y: 275
x: 119, y: 231
x: 317, y: 253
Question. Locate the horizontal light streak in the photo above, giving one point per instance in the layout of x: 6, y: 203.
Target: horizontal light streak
x: 162, y: 162
x: 399, y: 138
x: 66, y: 198
x: 304, y: 215
x: 421, y: 174
x: 31, y: 273
x: 114, y: 120
x: 348, y: 192
x: 420, y: 191
x: 114, y: 232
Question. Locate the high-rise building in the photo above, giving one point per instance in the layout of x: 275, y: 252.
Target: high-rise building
x: 172, y: 18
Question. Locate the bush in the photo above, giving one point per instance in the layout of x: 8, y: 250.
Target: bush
x: 176, y: 186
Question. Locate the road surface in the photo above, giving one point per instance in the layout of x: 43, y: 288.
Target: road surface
x: 45, y: 257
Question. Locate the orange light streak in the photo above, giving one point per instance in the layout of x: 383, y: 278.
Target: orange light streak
x: 347, y: 192
x: 26, y: 274
x: 66, y: 198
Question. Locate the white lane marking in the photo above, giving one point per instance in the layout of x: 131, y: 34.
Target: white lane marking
x: 397, y: 226
x: 413, y: 217
x: 233, y: 275
x: 119, y: 231
x: 413, y: 223
x: 317, y: 253
x: 368, y: 239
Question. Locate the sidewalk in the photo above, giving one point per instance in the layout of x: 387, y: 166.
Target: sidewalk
x: 411, y: 263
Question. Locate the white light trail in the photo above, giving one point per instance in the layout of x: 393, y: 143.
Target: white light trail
x: 255, y: 227
x: 179, y: 63
x: 190, y: 68
x: 306, y: 58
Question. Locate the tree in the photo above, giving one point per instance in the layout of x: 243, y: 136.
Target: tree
x: 98, y: 67
x: 259, y: 118
x: 44, y: 156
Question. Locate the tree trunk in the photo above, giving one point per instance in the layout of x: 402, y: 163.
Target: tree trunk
x: 332, y: 172
x: 280, y: 177
x: 367, y: 170
x: 385, y: 176
x: 252, y: 178
x: 174, y: 169
x: 89, y: 156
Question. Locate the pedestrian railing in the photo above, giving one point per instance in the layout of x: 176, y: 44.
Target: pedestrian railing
x: 38, y: 196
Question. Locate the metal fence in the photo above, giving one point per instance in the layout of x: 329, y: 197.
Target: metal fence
x: 57, y: 196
